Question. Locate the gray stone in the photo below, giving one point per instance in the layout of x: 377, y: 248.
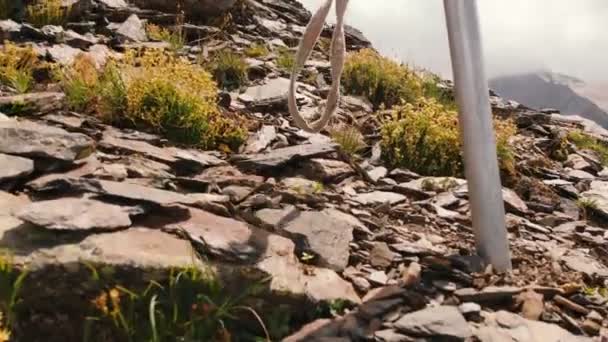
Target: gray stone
x: 469, y: 308
x: 508, y: 327
x: 78, y: 40
x: 32, y: 103
x: 378, y: 278
x: 577, y: 162
x: 62, y: 53
x: 9, y: 30
x: 381, y: 255
x: 237, y: 193
x: 488, y: 294
x: 376, y: 173
x: 29, y: 139
x: 598, y: 192
x: 281, y: 156
x: 513, y: 203
x: 584, y: 264
x: 127, y: 190
x: 113, y: 172
x: 379, y: 197
x: 75, y: 214
x: 442, y: 321
x: 261, y: 139
x: 271, y: 94
x: 327, y: 169
x: 580, y: 175
x: 132, y: 30
x: 170, y: 155
x: 326, y: 235
x: 10, y: 204
x: 14, y: 167
x: 361, y: 284
x: 275, y: 218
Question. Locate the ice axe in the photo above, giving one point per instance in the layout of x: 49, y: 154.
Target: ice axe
x: 475, y: 116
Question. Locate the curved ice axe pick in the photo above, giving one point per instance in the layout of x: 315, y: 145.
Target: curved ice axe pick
x: 475, y: 118
x: 337, y: 55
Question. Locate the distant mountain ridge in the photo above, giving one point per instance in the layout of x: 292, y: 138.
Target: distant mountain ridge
x: 567, y: 94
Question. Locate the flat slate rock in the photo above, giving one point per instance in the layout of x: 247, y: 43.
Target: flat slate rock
x: 126, y: 190
x: 29, y: 139
x: 14, y: 167
x: 281, y: 156
x: 32, y: 103
x: 228, y: 240
x: 506, y: 326
x: 168, y: 155
x: 438, y: 322
x: 490, y: 293
x: 261, y: 139
x: 379, y: 197
x: 326, y: 235
x: 75, y: 214
x: 272, y: 93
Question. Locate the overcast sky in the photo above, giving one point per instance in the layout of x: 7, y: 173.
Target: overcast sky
x: 564, y: 36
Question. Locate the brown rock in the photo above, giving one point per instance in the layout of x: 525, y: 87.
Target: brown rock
x: 226, y: 239
x: 381, y: 255
x: 327, y: 235
x: 14, y: 167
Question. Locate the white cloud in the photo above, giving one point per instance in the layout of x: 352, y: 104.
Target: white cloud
x: 519, y: 35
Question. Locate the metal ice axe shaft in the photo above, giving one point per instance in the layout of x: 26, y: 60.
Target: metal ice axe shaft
x: 475, y: 118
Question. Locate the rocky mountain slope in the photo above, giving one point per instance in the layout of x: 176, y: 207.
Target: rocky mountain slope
x: 549, y: 90
x: 342, y: 248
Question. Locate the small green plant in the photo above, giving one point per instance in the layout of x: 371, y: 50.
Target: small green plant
x: 47, y: 12
x: 157, y: 91
x: 17, y: 65
x: 257, y: 50
x: 175, y: 36
x: 587, y: 142
x: 229, y: 70
x: 431, y: 88
x: 11, y: 281
x: 349, y: 138
x: 80, y: 82
x: 381, y: 80
x: 586, y: 205
x: 285, y: 59
x: 192, y: 306
x: 425, y: 138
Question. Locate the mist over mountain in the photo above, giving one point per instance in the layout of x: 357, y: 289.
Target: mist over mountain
x: 569, y: 95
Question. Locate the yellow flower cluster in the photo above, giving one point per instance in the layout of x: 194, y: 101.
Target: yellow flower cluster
x: 155, y: 90
x: 425, y: 138
x: 381, y: 80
